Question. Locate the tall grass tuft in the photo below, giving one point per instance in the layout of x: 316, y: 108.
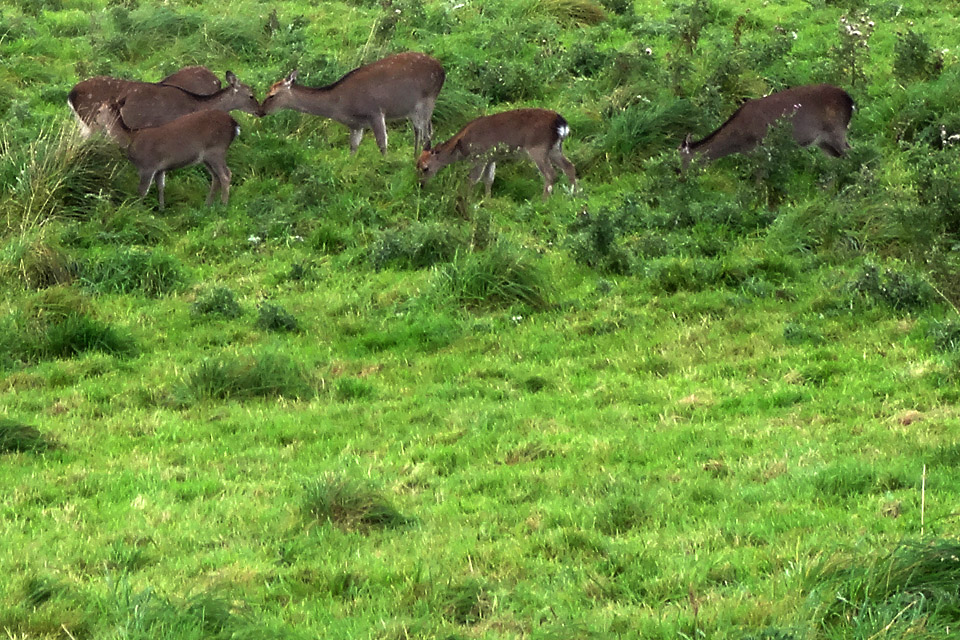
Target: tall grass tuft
x: 77, y: 333
x: 576, y: 12
x: 36, y: 261
x: 350, y: 505
x: 220, y: 301
x: 233, y: 377
x: 19, y: 437
x: 500, y: 276
x: 915, y: 586
x: 49, y: 176
x: 125, y: 271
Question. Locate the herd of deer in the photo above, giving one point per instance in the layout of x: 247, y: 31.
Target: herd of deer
x: 182, y: 120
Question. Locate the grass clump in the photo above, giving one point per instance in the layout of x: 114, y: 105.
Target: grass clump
x: 417, y: 247
x: 596, y: 242
x: 124, y: 271
x: 19, y: 437
x: 898, y: 288
x: 350, y: 505
x: 233, y: 377
x: 915, y: 586
x: 467, y: 603
x: 498, y: 277
x: 273, y: 317
x: 77, y: 333
x: 219, y: 302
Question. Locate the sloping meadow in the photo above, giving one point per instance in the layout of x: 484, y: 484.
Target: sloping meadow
x: 718, y: 404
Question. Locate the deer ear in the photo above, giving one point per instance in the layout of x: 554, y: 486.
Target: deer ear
x: 291, y: 77
x: 426, y: 146
x: 685, y: 145
x: 232, y: 79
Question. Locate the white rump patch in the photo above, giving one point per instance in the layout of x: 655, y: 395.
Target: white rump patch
x: 563, y: 131
x: 236, y: 131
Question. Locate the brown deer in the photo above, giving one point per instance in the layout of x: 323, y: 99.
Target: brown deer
x: 819, y: 114
x: 538, y: 132
x: 202, y: 136
x: 87, y: 96
x: 151, y: 105
x: 402, y: 86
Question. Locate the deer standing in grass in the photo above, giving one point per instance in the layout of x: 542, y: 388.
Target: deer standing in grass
x: 818, y: 113
x: 202, y: 136
x: 402, y: 86
x: 484, y: 141
x: 87, y: 96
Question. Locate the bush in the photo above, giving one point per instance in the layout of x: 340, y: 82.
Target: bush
x: 595, y: 241
x: 914, y: 58
x: 903, y: 291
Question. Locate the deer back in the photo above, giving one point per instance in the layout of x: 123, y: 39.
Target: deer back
x: 154, y: 105
x: 392, y: 86
x: 184, y: 141
x: 195, y: 79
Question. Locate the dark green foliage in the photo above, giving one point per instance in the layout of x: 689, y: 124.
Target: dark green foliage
x: 125, y: 271
x: 77, y: 333
x: 622, y: 512
x: 646, y: 128
x: 220, y: 302
x: 350, y: 389
x: 273, y: 317
x: 901, y: 289
x: 350, y: 505
x: 595, y: 241
x: 233, y: 377
x: 914, y: 57
x: 619, y: 7
x: 466, y: 603
x: 38, y: 589
x: 586, y: 60
x: 913, y: 587
x: 945, y: 335
x: 499, y: 276
x: 798, y: 333
x: 850, y: 479
x: 15, y: 436
x: 419, y: 246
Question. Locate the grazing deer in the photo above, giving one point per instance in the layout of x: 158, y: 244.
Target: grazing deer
x: 151, y: 105
x: 202, y: 136
x: 819, y: 114
x: 539, y: 132
x: 87, y: 96
x: 402, y: 86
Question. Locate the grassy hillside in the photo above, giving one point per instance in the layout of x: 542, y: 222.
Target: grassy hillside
x: 343, y: 406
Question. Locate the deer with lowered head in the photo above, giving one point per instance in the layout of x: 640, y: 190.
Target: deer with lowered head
x: 818, y: 114
x: 398, y: 87
x: 87, y: 96
x: 484, y: 141
x: 202, y: 136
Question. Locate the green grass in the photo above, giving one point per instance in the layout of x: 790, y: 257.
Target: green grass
x: 717, y: 405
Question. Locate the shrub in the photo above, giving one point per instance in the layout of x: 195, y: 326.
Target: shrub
x: 275, y: 318
x: 945, y: 335
x: 233, y: 377
x: 218, y: 302
x: 576, y: 12
x: 349, y: 505
x: 914, y: 58
x: 125, y: 271
x: 647, y: 127
x: 497, y: 277
x: 901, y: 290
x: 595, y: 241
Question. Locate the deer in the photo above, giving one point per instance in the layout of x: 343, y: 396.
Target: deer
x: 87, y: 96
x: 151, y: 105
x: 818, y: 113
x: 484, y: 141
x: 401, y: 86
x: 201, y: 136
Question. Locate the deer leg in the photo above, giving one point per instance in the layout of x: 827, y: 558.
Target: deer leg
x: 379, y: 126
x: 146, y: 179
x: 161, y: 185
x: 484, y: 170
x: 355, y: 136
x: 214, y: 181
x: 830, y: 149
x: 556, y: 157
x: 549, y: 174
x: 225, y: 176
